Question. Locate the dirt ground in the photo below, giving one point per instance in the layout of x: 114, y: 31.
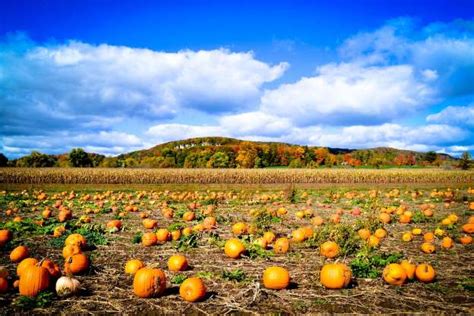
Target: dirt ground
x: 107, y: 289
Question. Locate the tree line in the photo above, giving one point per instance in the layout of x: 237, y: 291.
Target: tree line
x: 222, y: 153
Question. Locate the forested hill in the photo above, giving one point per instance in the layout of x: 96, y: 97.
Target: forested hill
x: 223, y: 152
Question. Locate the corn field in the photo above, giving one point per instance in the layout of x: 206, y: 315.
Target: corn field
x: 230, y: 176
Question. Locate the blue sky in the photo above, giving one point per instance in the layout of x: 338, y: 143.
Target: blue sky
x: 113, y: 76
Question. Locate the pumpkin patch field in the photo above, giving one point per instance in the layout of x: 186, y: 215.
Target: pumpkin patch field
x: 403, y: 248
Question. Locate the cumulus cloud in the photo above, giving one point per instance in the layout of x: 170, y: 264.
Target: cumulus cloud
x: 454, y: 115
x: 350, y: 94
x: 108, y: 143
x: 83, y: 85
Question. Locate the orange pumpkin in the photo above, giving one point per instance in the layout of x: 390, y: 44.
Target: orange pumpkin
x: 46, y: 213
x: 24, y: 264
x: 189, y: 216
x: 76, y: 239
x: 329, y: 249
x: 192, y: 289
x: 298, y: 235
x: 234, y: 248
x: 132, y: 266
x: 281, y: 245
x: 364, y: 233
x: 71, y: 250
x: 269, y: 237
x: 76, y: 264
x: 239, y: 228
x: 407, y: 236
x: 162, y: 235
x: 149, y: 239
x: 447, y: 243
x: 385, y: 218
x: 317, y: 221
x: 175, y: 234
x: 177, y: 263
x: 276, y: 278
x: 33, y: 280
x: 373, y: 241
x: 425, y: 273
x: 149, y: 282
x: 409, y: 268
x: 468, y: 228
x: 380, y: 233
x: 335, y: 275
x: 465, y: 240
x: 149, y: 223
x: 64, y: 215
x: 394, y: 274
x: 19, y: 253
x: 115, y: 224
x: 428, y: 237
x: 52, y: 268
x: 5, y: 236
x: 427, y: 247
x: 209, y: 223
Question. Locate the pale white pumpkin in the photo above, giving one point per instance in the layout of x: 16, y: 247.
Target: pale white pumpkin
x: 66, y: 286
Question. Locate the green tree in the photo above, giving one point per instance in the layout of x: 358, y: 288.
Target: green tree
x: 3, y: 160
x: 37, y: 160
x: 465, y: 161
x: 430, y: 156
x: 218, y: 160
x: 79, y: 158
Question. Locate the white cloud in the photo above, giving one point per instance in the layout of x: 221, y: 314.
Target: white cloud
x: 76, y: 82
x: 350, y: 94
x: 454, y: 115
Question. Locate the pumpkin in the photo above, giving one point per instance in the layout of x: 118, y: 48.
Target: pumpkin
x: 416, y: 231
x: 187, y: 231
x: 239, y: 228
x: 189, y: 216
x: 3, y: 285
x: 468, y: 228
x: 329, y: 249
x: 19, y: 253
x: 58, y: 231
x: 71, y: 250
x: 465, y: 240
x: 276, y: 278
x: 409, y: 268
x: 33, y: 280
x: 3, y: 272
x: 385, y: 218
x: 407, y: 236
x: 380, y: 233
x: 405, y: 219
x: 175, y: 234
x: 428, y: 237
x: 67, y: 286
x: 149, y: 282
x: 335, y: 275
x: 428, y: 247
x: 317, y: 221
x: 234, y: 248
x: 394, y: 274
x: 149, y: 223
x: 76, y: 264
x: 269, y: 237
x: 260, y: 242
x: 24, y: 264
x: 52, y: 268
x: 132, y: 266
x: 177, y: 263
x: 149, y: 239
x: 363, y: 233
x: 64, y: 215
x: 192, y: 289
x: 425, y: 273
x: 114, y: 225
x: 209, y: 223
x: 373, y: 241
x: 5, y: 236
x: 298, y: 235
x: 162, y: 235
x: 447, y: 243
x: 281, y: 245
x: 76, y: 239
